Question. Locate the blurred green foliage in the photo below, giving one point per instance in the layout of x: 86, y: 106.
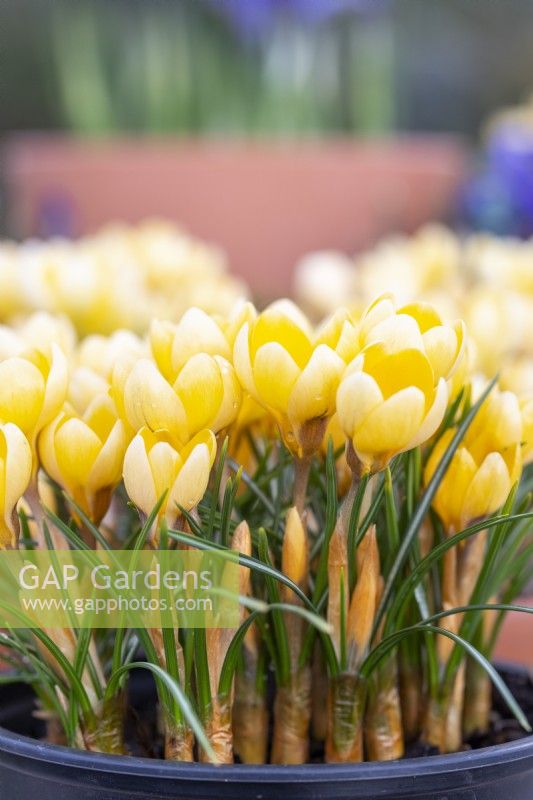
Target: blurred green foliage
x: 161, y: 66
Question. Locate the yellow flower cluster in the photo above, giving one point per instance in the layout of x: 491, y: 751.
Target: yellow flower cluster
x: 150, y: 410
x: 485, y: 280
x: 120, y: 277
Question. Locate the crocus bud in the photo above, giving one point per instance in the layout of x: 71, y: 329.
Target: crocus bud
x: 295, y: 549
x: 15, y: 474
x: 293, y: 375
x: 388, y: 403
x: 485, y: 466
x: 205, y: 394
x: 84, y: 454
x: 173, y: 345
x: 155, y: 463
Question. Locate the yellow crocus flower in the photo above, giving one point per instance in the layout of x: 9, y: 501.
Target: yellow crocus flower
x: 415, y: 326
x: 15, y: 474
x: 291, y: 372
x: 205, y: 394
x: 155, y: 463
x: 485, y: 466
x: 84, y: 454
x: 173, y: 345
x: 33, y: 387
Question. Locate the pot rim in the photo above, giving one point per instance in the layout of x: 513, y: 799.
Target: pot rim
x: 28, y: 748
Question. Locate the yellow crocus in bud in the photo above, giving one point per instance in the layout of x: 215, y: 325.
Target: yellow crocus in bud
x: 84, y: 454
x: 205, y: 394
x: 15, y: 474
x: 291, y: 372
x: 173, y: 345
x: 295, y: 549
x: 33, y: 388
x: 389, y: 402
x: 155, y: 463
x: 485, y: 466
x: 415, y: 326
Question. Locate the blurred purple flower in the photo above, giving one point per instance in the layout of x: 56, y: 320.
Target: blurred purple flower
x: 255, y: 18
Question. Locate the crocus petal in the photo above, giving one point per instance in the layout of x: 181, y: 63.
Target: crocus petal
x: 197, y: 332
x: 284, y: 324
x: 433, y: 418
x: 107, y: 467
x: 398, y: 332
x: 488, y: 489
x: 56, y: 387
x: 357, y: 395
x: 138, y: 478
x: 275, y: 375
x: 200, y: 389
x: 17, y: 470
x: 161, y: 338
x: 242, y: 360
x: 76, y: 448
x: 47, y: 447
x: 149, y: 400
x: 313, y: 394
x: 21, y: 393
x: 191, y: 483
x: 231, y: 396
x: 388, y: 428
x: 441, y: 346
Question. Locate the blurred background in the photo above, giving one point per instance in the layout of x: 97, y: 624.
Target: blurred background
x: 272, y: 127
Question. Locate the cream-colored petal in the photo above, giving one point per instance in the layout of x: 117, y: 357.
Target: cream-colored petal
x: 313, y: 394
x: 191, y: 483
x: 47, y: 447
x: 357, y: 395
x: 21, y: 393
x: 149, y: 400
x: 165, y: 463
x: 17, y: 470
x: 389, y: 427
x: 242, y: 360
x: 197, y: 332
x: 56, y: 387
x: 441, y: 346
x: 161, y: 337
x: 488, y: 489
x: 76, y: 448
x: 381, y: 308
x: 138, y: 478
x: 231, y: 396
x: 200, y: 388
x: 398, y: 332
x: 433, y: 418
x: 275, y: 375
x: 107, y: 467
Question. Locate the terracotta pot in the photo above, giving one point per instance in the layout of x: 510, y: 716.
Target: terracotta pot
x: 266, y: 203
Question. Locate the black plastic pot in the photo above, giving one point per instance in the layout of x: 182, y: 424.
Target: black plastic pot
x: 31, y: 770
